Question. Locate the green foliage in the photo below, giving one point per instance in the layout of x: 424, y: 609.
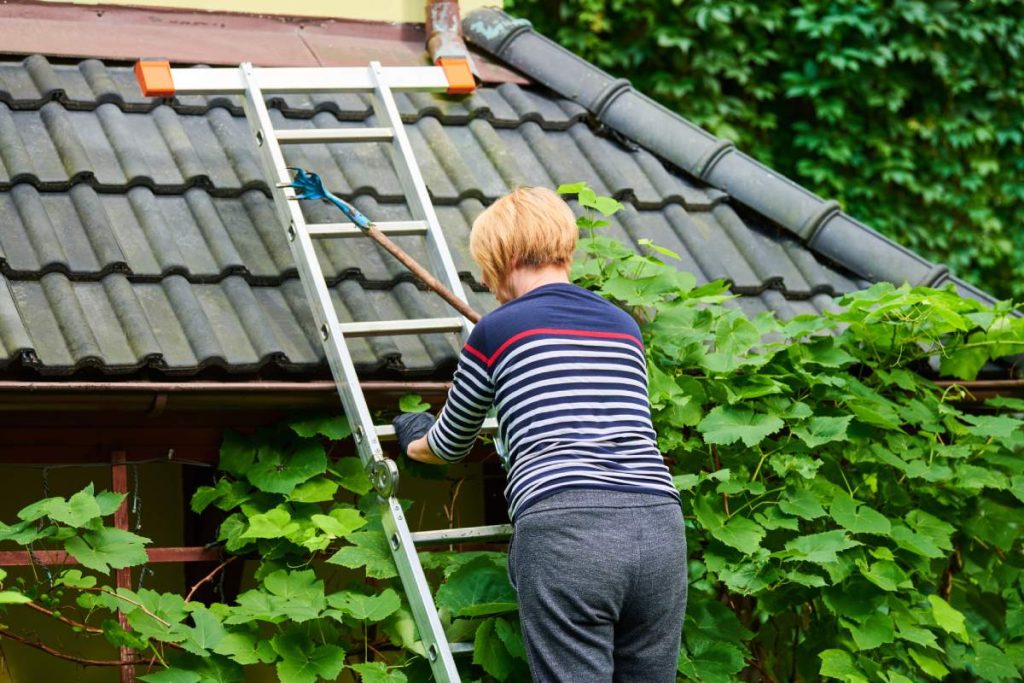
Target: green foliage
x: 287, y: 505
x: 847, y: 519
x: 857, y: 520
x: 907, y: 112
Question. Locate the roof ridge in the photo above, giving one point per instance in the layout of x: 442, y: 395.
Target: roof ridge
x: 818, y: 223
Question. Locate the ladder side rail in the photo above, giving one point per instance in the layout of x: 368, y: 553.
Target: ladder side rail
x: 311, y: 276
x: 403, y: 550
x: 284, y: 80
x: 404, y: 161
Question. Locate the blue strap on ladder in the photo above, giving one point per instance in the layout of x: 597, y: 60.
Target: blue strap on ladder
x: 310, y: 186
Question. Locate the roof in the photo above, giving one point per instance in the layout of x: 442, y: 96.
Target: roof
x: 138, y: 237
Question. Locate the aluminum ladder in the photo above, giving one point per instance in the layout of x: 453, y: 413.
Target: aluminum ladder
x: 250, y: 82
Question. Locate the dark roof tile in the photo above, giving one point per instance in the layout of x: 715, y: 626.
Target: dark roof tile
x: 139, y: 233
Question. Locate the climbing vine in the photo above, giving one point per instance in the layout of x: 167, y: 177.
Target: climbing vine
x: 847, y: 518
x: 907, y: 112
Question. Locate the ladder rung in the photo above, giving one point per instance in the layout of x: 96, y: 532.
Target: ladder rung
x: 461, y: 648
x: 495, y: 532
x: 297, y: 136
x: 387, y: 432
x: 329, y: 230
x: 415, y: 326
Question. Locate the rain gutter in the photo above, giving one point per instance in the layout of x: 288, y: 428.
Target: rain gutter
x: 155, y: 398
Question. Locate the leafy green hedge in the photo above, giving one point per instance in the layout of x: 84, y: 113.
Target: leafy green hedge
x: 907, y: 112
x: 847, y: 518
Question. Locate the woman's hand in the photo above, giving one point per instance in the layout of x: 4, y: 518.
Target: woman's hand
x: 411, y: 430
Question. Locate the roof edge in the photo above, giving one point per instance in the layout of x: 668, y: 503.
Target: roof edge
x: 818, y: 223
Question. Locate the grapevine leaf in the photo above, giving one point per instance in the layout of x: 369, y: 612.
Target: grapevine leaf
x: 948, y: 618
x: 334, y: 427
x: 857, y: 518
x: 929, y: 664
x: 317, y: 490
x: 351, y: 475
x: 802, y: 503
x: 279, y: 472
x: 992, y: 664
x: 237, y: 453
x: 299, y: 595
x: 711, y: 661
x: 206, y: 634
x: 490, y: 653
x: 875, y: 631
x: 366, y: 607
x: 13, y: 598
x: 727, y: 424
x: 369, y: 549
x: 818, y: 548
x: 378, y: 672
x: 839, y: 664
x: 821, y: 430
x: 478, y: 588
x: 302, y: 661
x: 512, y: 637
x: 107, y: 548
x: 413, y: 403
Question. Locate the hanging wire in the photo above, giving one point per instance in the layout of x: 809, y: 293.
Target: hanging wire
x: 136, y: 510
x: 39, y: 525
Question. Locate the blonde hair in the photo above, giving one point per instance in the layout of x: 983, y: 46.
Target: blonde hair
x: 530, y: 226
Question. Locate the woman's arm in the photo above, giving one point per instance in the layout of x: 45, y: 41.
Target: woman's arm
x: 419, y: 450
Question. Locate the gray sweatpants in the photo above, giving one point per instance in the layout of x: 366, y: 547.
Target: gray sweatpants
x: 601, y: 579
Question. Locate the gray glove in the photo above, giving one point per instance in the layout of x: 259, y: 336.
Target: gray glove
x: 411, y: 426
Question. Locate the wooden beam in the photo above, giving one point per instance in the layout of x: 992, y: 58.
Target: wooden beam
x: 22, y: 558
x: 122, y: 577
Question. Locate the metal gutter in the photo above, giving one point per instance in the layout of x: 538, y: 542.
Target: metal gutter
x: 155, y: 398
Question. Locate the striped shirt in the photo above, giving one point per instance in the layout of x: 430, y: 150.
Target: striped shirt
x: 566, y: 371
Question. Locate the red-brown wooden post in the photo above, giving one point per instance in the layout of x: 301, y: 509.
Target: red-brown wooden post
x: 123, y: 577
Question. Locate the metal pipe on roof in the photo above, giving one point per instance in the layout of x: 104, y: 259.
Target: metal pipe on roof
x: 444, y: 31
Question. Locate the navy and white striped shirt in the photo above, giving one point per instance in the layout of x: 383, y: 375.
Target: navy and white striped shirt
x: 567, y: 373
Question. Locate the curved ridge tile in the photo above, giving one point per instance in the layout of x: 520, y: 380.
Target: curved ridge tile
x: 198, y: 330
x: 88, y: 213
x: 14, y: 336
x: 212, y: 236
x: 79, y: 336
x: 136, y: 326
x: 70, y: 149
x: 15, y: 161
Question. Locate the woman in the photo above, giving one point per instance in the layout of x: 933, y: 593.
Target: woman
x: 598, y: 557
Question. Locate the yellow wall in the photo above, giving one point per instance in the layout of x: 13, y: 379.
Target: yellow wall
x: 401, y: 11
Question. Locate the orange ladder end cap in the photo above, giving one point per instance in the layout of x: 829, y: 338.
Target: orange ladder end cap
x: 459, y: 75
x: 155, y: 78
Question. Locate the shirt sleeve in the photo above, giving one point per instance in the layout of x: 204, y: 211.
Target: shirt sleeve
x: 471, y: 396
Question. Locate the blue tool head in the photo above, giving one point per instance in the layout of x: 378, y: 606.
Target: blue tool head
x: 310, y: 186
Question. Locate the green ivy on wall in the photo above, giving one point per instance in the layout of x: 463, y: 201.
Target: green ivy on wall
x: 907, y: 112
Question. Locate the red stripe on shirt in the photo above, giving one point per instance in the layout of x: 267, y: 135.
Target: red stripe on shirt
x: 547, y: 330
x: 475, y: 352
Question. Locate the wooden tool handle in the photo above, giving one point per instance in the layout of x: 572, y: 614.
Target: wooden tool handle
x: 420, y: 272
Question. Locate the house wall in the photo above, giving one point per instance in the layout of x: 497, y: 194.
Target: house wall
x: 73, y: 445
x: 400, y: 11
